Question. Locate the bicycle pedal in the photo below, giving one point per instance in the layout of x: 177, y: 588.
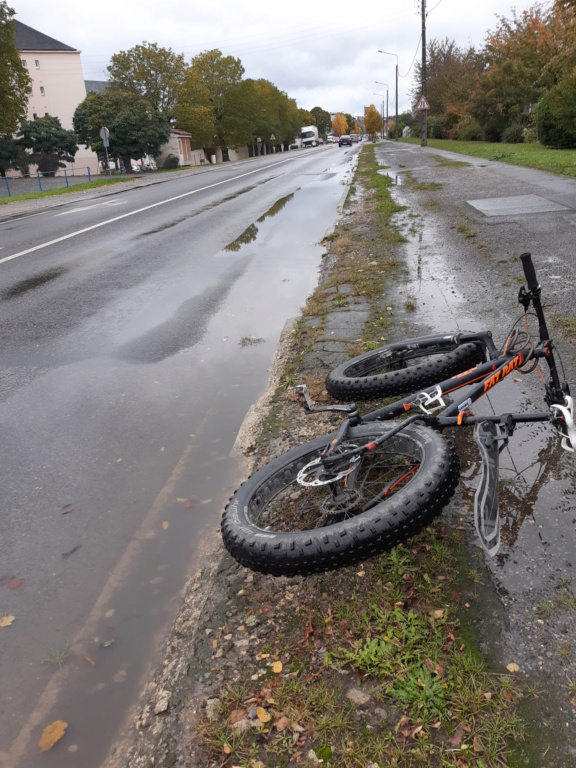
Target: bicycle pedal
x: 425, y: 401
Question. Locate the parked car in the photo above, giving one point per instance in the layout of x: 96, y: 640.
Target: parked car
x: 345, y: 140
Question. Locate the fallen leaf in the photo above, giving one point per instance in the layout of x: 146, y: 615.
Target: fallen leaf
x: 438, y: 614
x: 165, y: 524
x: 226, y: 749
x: 282, y: 723
x: 6, y: 621
x: 51, y: 734
x: 512, y: 667
x: 87, y: 658
x: 236, y: 715
x: 263, y: 715
x: 14, y: 583
x: 118, y: 460
x: 507, y: 695
x: 477, y: 744
x: 277, y: 667
x: 67, y: 508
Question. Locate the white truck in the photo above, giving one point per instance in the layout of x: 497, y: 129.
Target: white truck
x: 309, y: 136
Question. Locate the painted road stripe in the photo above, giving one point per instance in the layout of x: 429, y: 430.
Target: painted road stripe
x: 134, y: 213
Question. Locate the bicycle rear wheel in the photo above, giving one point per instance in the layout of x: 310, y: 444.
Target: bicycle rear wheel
x: 280, y: 523
x: 398, y: 369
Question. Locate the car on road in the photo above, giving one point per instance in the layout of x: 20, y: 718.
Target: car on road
x: 344, y: 140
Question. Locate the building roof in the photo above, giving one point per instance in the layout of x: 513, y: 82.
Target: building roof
x: 28, y: 39
x: 96, y: 86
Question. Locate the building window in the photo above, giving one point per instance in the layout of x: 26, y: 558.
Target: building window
x: 41, y: 90
x: 24, y: 64
x: 35, y: 116
x: 36, y: 63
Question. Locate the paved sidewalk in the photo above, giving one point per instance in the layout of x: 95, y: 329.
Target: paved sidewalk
x: 135, y: 181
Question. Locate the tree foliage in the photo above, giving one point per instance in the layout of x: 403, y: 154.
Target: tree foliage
x: 322, y: 120
x: 50, y: 144
x: 15, y: 84
x: 515, y: 73
x: 339, y: 124
x: 9, y: 149
x: 202, y: 98
x: 149, y: 71
x: 451, y: 75
x: 372, y: 121
x: 135, y: 128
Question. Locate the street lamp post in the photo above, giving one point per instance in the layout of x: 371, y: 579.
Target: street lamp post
x: 377, y: 94
x: 387, y: 53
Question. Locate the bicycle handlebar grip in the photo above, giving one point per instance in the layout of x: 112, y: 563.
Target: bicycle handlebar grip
x: 529, y: 271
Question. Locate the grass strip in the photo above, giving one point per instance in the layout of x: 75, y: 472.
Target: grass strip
x: 84, y: 187
x: 561, y: 161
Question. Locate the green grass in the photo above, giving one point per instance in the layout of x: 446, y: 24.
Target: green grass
x: 562, y: 161
x: 66, y: 190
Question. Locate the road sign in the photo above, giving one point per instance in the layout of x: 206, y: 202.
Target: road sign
x: 272, y: 138
x: 105, y: 135
x: 423, y: 105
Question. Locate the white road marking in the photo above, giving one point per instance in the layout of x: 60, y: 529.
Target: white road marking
x: 89, y: 207
x: 140, y: 210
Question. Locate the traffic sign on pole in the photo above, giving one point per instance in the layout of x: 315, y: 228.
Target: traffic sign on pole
x: 423, y: 105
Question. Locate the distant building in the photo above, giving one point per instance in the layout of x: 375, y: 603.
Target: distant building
x: 58, y: 85
x: 96, y: 86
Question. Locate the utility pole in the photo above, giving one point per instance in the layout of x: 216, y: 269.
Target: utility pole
x: 424, y: 113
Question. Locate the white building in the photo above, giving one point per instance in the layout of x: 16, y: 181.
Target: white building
x: 58, y: 87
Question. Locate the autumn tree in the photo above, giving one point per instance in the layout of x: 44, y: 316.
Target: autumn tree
x: 149, y: 71
x: 514, y: 71
x: 339, y: 124
x: 372, y: 121
x: 555, y: 117
x: 451, y: 74
x: 15, y: 84
x: 201, y: 99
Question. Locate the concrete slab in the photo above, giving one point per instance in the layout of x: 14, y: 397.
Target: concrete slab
x: 515, y: 205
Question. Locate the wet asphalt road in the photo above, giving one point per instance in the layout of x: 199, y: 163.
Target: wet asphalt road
x: 137, y: 330
x: 467, y: 222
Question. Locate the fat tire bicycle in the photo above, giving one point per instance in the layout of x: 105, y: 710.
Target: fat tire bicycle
x: 385, y: 475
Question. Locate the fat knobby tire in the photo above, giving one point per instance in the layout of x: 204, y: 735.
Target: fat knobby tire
x: 344, y: 542
x: 384, y: 372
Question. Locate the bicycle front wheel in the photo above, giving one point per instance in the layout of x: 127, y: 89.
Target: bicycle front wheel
x: 286, y: 520
x: 398, y: 369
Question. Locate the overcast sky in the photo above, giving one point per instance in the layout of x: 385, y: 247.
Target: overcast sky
x: 320, y: 53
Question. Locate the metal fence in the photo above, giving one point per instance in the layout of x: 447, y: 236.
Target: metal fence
x: 40, y: 182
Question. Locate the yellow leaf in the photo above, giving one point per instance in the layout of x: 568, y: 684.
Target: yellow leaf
x: 263, y: 715
x: 438, y: 614
x: 226, y: 749
x: 51, y: 734
x: 512, y: 667
x: 6, y: 621
x: 118, y: 461
x: 165, y: 524
x: 277, y: 667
